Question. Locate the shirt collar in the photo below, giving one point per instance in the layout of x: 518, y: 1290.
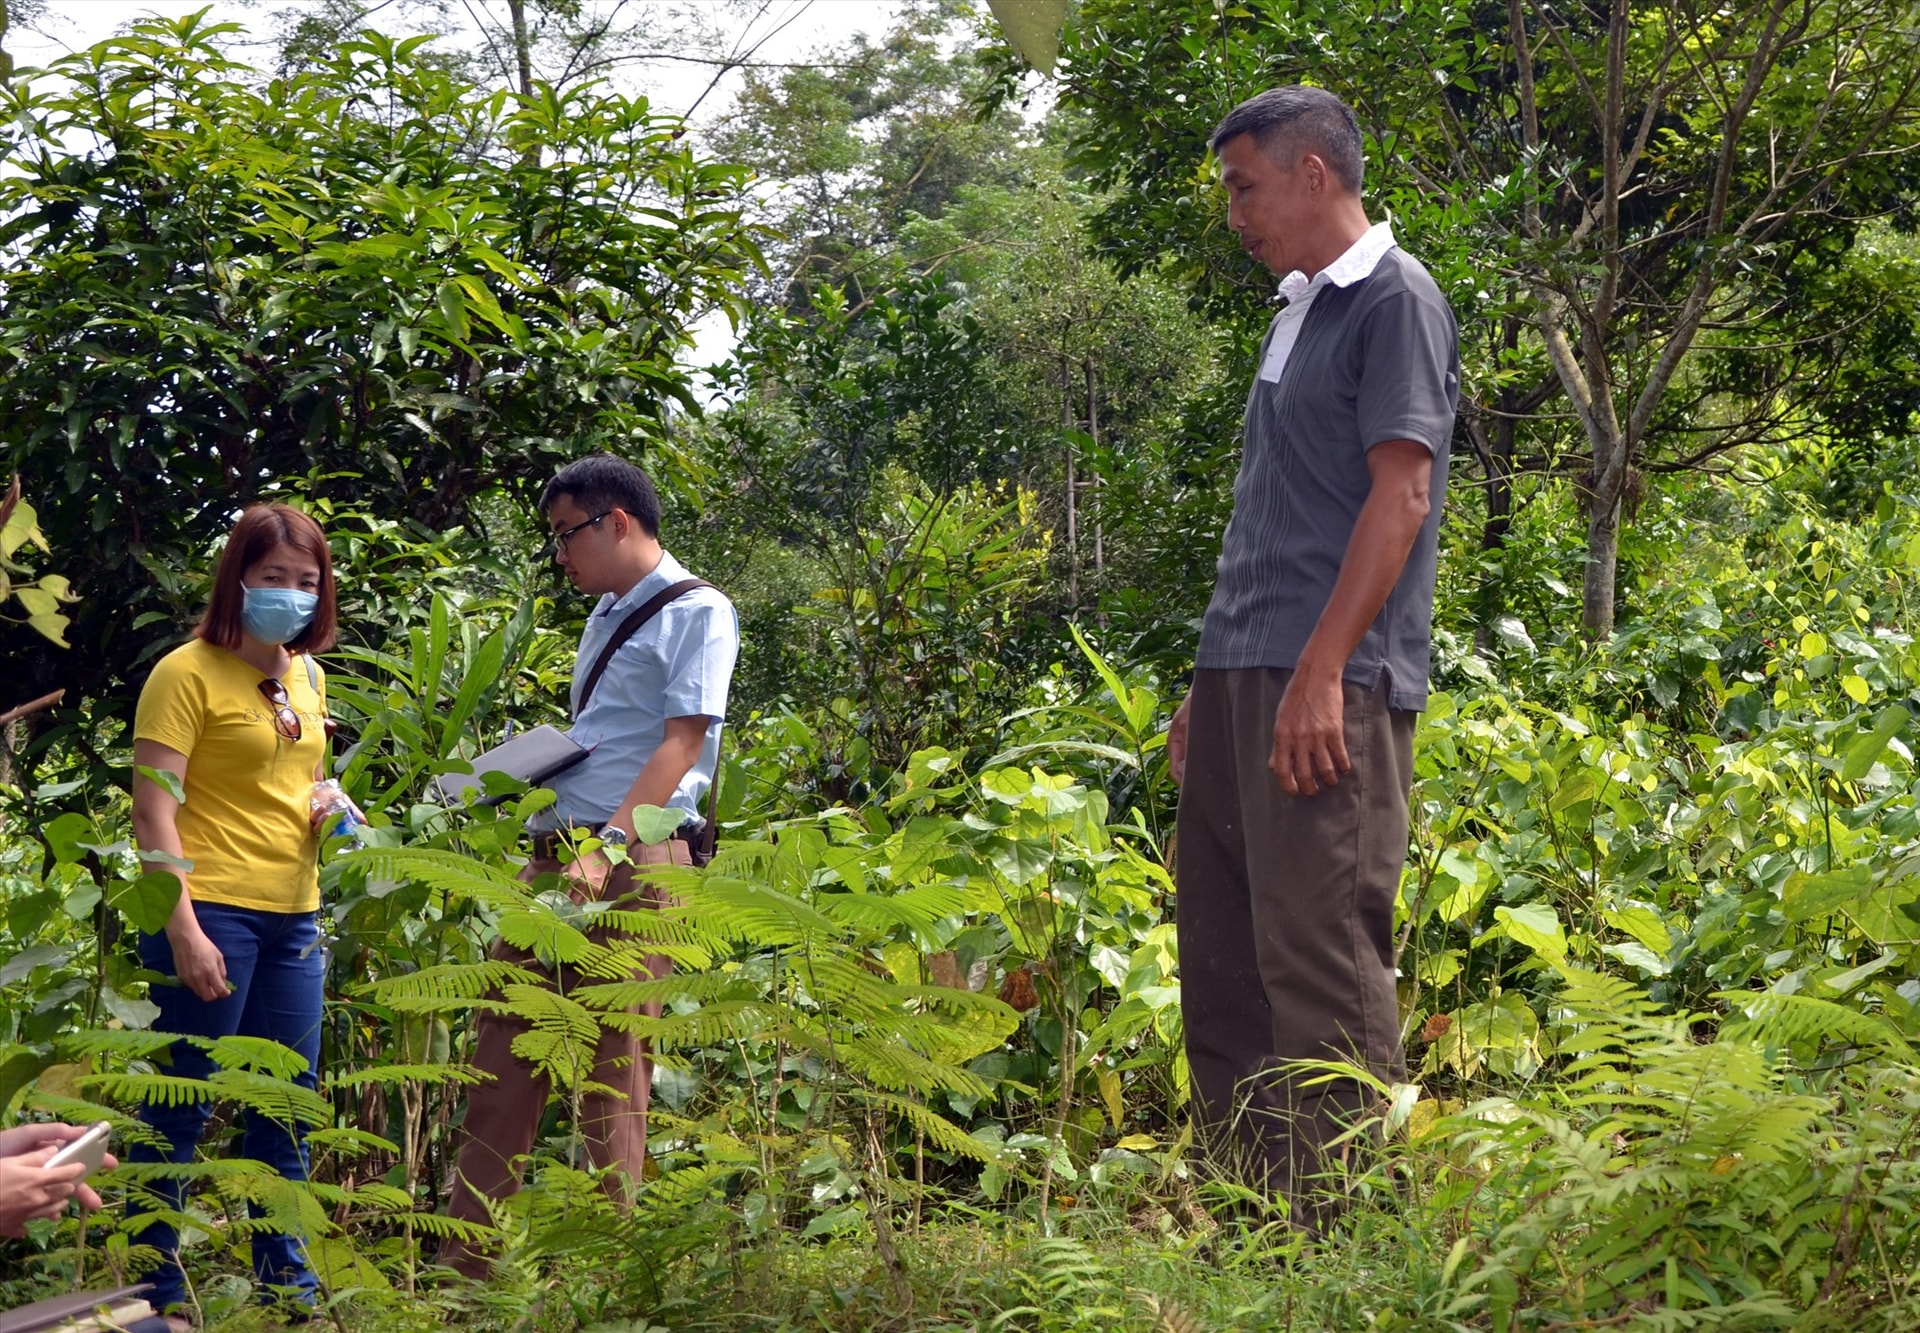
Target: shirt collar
x: 667, y: 571
x: 1359, y: 261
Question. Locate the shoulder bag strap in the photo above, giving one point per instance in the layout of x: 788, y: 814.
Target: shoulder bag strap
x: 710, y: 831
x: 631, y: 626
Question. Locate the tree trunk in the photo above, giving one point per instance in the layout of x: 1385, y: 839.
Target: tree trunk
x: 1496, y: 448
x: 522, y: 45
x: 1073, y: 485
x: 1603, y: 561
x: 1099, y: 524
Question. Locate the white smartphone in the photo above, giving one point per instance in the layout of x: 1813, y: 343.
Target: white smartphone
x: 90, y: 1147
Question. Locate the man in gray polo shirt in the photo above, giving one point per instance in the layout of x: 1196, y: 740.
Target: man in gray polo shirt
x: 1295, y: 746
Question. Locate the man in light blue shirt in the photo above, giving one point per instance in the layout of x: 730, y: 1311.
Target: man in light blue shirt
x: 652, y: 729
x: 669, y: 681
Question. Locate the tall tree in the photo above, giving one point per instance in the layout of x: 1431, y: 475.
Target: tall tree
x: 361, y: 276
x: 1650, y: 187
x: 871, y: 136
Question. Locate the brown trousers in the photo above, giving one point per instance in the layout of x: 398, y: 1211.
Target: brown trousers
x: 1285, y: 911
x: 503, y: 1114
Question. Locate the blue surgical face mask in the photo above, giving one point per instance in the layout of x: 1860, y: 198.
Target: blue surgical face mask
x: 274, y: 615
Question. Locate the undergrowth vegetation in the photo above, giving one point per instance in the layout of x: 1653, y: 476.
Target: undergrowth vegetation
x: 920, y: 1054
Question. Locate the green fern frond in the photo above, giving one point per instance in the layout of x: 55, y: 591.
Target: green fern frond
x: 211, y: 1168
x: 920, y: 909
x: 902, y: 1069
x: 349, y: 1142
x: 440, y: 1225
x: 669, y: 1195
x: 539, y: 932
x: 940, y: 1131
x: 271, y: 1097
x: 630, y: 955
x: 661, y: 926
x: 838, y: 980
x: 285, y: 1102
x: 1787, y: 1020
x: 381, y: 1074
x: 747, y: 913
x: 371, y: 1195
x: 714, y: 987
x: 448, y: 872
x: 1063, y: 1273
x: 160, y: 1089
x: 742, y: 858
x: 445, y: 986
x: 710, y: 1025
x: 125, y: 1043
x: 257, y: 1055
x: 1601, y: 997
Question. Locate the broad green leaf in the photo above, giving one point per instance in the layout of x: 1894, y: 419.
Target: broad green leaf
x: 1635, y: 954
x: 1806, y: 897
x: 168, y: 782
x: 63, y: 835
x: 1642, y: 923
x: 24, y: 963
x: 19, y: 1067
x: 1866, y: 749
x: 1842, y: 982
x: 1580, y: 786
x: 1021, y: 860
x: 148, y: 901
x: 1537, y: 926
x: 483, y: 676
x: 652, y: 824
x: 131, y: 1011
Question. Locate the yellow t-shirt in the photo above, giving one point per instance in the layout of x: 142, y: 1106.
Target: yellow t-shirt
x: 245, y: 824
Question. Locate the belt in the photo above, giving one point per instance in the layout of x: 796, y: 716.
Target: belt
x: 547, y: 846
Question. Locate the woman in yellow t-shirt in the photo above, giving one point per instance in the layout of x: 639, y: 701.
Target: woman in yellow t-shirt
x: 238, y: 716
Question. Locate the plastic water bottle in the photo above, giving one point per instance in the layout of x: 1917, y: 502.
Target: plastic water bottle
x: 330, y: 802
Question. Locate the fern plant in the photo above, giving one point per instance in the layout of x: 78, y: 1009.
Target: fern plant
x: 1669, y: 1182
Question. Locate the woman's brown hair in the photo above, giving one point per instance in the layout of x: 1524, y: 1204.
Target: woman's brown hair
x: 260, y: 529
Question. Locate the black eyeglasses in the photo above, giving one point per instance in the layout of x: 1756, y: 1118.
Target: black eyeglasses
x: 559, y: 540
x: 285, y: 720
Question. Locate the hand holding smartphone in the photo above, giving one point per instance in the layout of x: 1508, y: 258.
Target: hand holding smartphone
x: 90, y: 1148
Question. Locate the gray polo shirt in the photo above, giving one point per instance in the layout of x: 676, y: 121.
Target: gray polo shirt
x: 1376, y: 359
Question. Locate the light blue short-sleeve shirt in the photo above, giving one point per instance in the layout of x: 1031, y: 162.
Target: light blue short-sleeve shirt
x: 678, y: 664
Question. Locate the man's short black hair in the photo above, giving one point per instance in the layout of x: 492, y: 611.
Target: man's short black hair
x: 1288, y: 121
x: 600, y: 482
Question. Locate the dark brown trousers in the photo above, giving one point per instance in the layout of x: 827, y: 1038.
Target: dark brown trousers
x: 1285, y: 912
x: 503, y: 1114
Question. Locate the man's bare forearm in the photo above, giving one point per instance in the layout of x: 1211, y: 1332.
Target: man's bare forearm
x: 1376, y: 553
x: 662, y: 774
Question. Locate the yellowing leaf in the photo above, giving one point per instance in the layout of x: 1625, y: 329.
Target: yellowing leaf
x: 62, y: 1080
x: 1138, y: 1143
x: 1032, y: 28
x: 1109, y: 1080
x: 1857, y: 689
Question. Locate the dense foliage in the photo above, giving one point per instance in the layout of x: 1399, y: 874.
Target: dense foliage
x: 921, y: 1057
x: 368, y: 276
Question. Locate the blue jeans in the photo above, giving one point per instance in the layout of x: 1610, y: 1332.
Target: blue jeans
x: 277, y: 971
